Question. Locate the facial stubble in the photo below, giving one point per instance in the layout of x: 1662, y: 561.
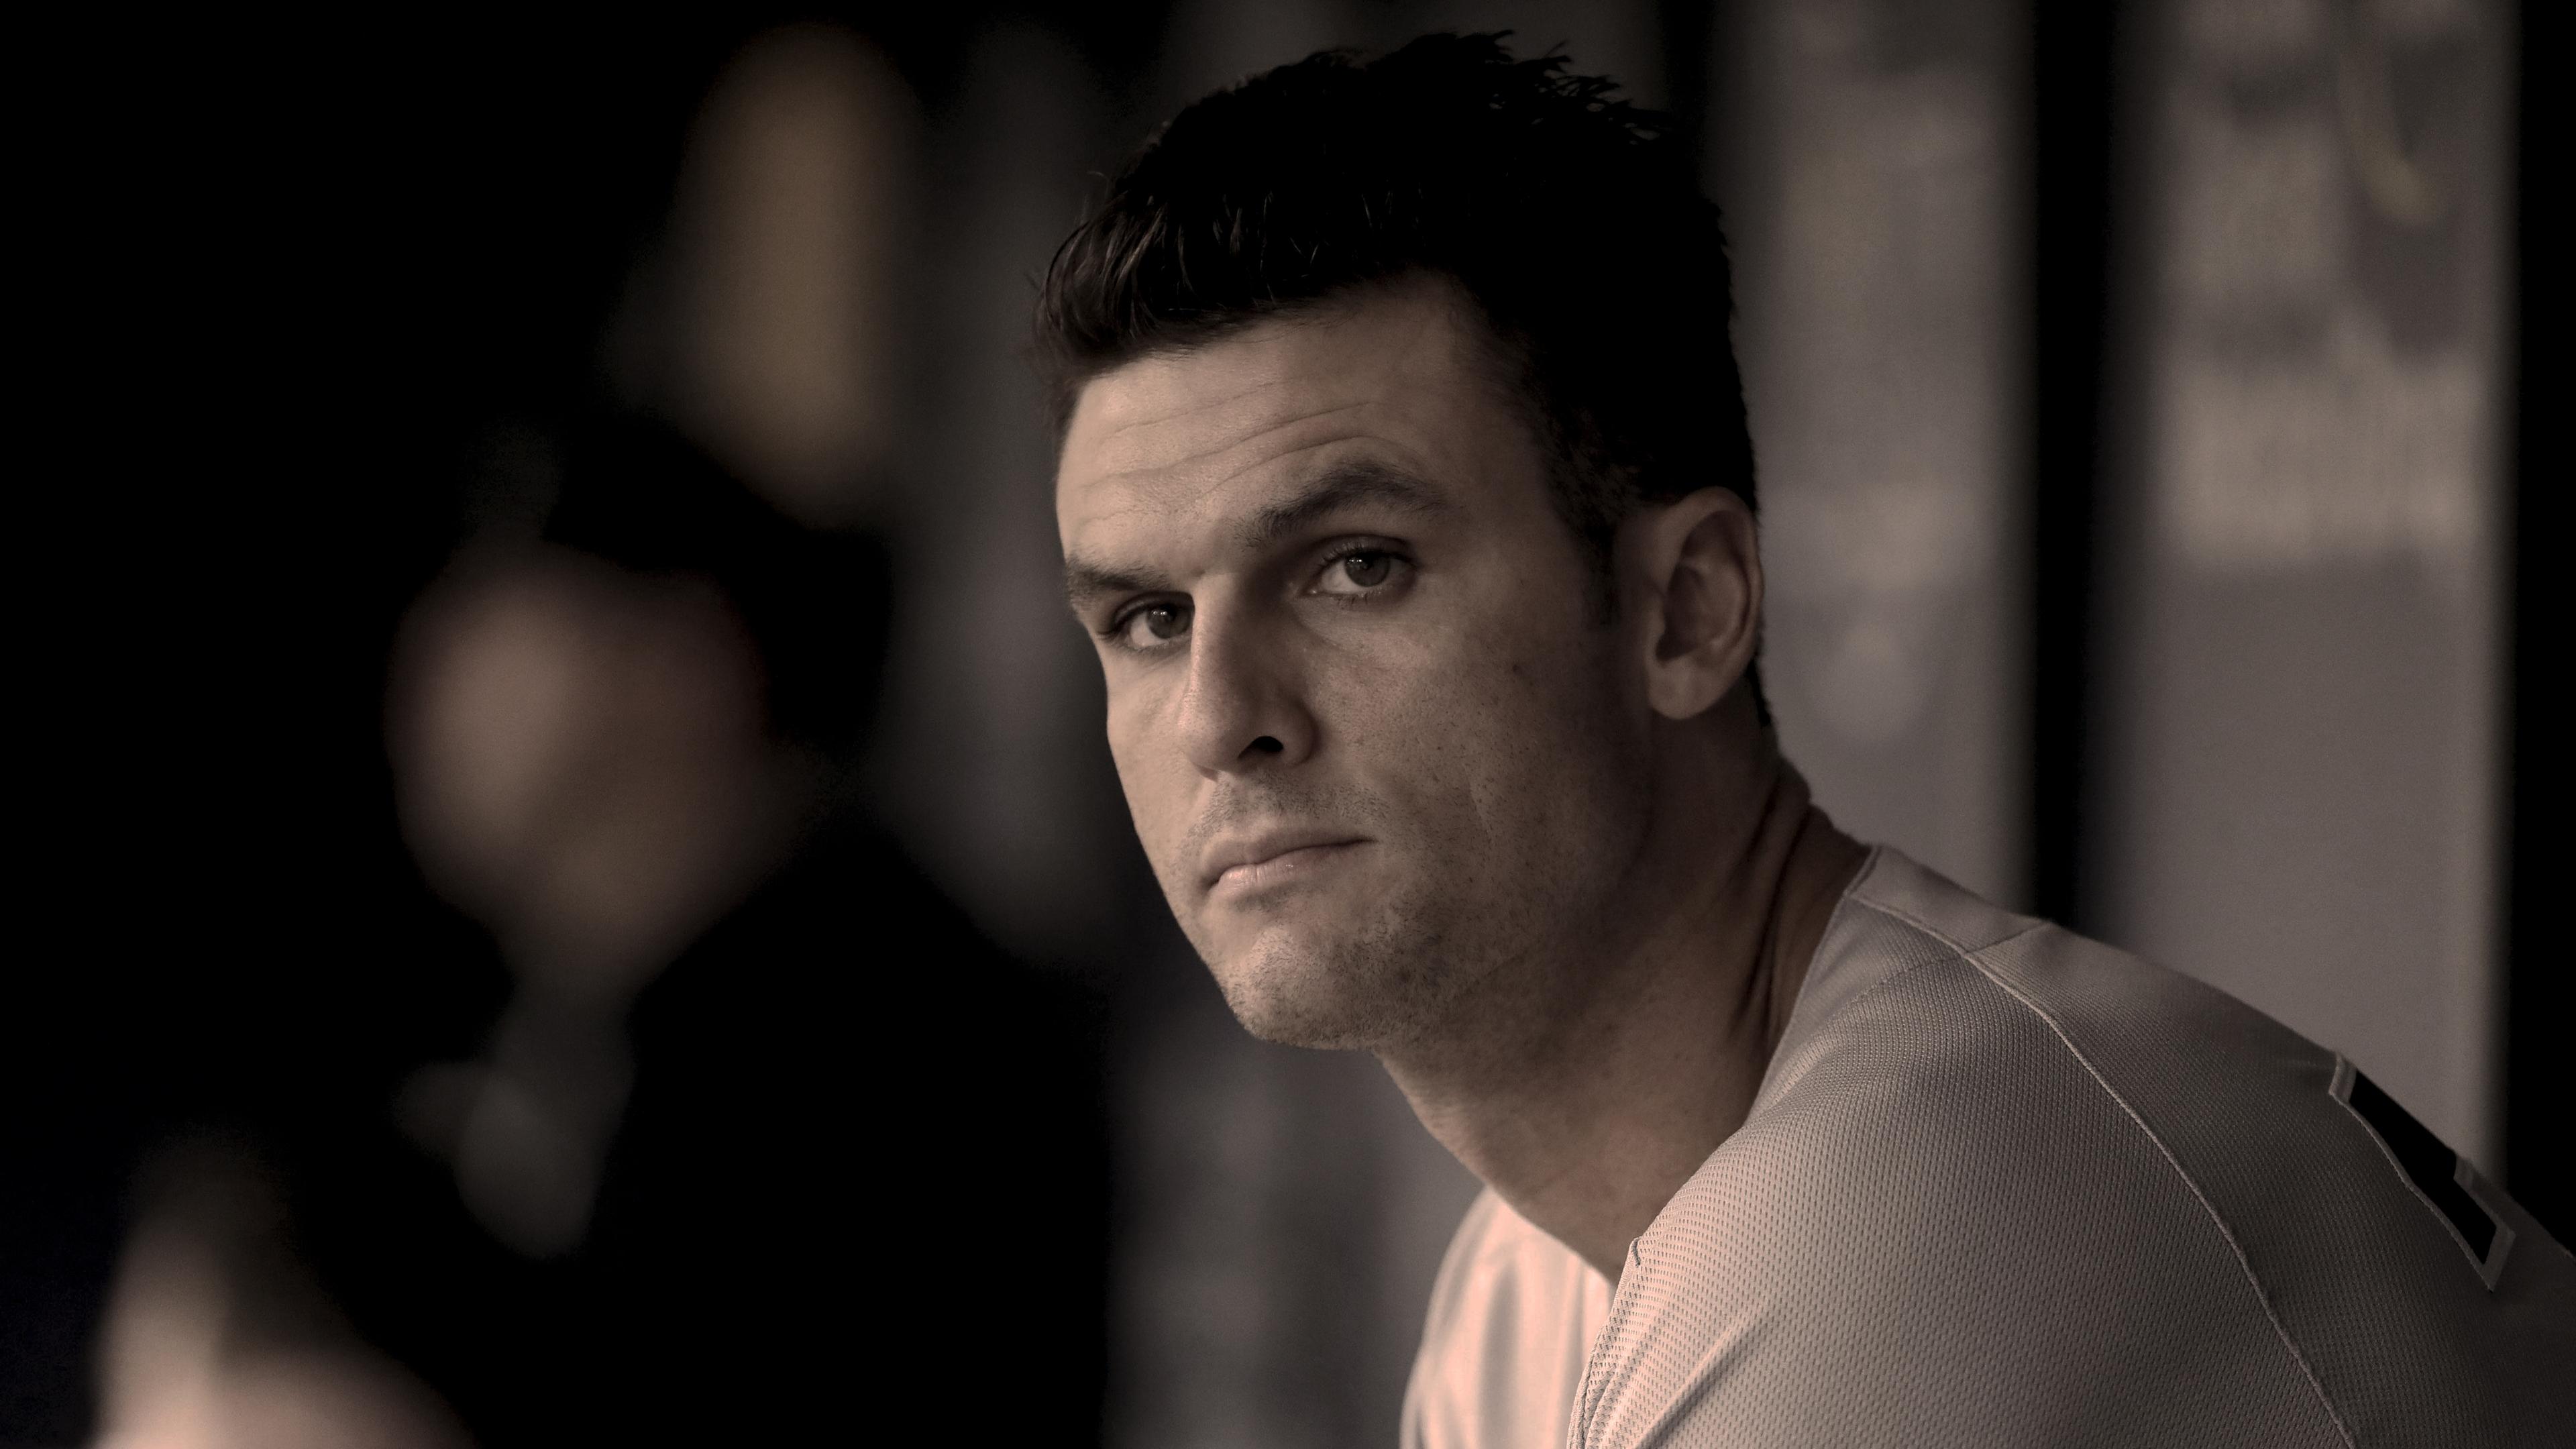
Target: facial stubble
x: 1439, y: 919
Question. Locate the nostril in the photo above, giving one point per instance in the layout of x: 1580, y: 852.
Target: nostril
x: 1266, y: 745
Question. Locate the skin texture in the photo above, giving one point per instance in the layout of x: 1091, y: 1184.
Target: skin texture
x: 1551, y: 870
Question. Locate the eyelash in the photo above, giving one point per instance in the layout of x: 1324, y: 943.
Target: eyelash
x: 1344, y: 552
x: 1115, y: 634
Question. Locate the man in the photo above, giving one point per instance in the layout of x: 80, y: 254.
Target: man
x: 1405, y: 486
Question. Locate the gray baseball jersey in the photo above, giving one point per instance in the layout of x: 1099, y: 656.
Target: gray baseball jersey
x: 2003, y: 1185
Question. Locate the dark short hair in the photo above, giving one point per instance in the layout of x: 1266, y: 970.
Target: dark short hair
x: 1571, y: 219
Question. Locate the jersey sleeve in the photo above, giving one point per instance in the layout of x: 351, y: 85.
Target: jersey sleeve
x: 1946, y: 1233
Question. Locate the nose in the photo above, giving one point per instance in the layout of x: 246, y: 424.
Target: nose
x: 1242, y: 708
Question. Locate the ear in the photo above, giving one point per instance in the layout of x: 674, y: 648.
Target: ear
x: 1691, y: 571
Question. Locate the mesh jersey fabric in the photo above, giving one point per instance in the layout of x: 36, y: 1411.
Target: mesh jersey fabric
x: 2001, y: 1186
x: 1514, y: 1312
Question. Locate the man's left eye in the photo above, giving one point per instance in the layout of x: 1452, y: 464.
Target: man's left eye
x: 1357, y: 572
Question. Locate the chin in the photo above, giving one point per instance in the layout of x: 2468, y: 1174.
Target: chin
x: 1341, y: 995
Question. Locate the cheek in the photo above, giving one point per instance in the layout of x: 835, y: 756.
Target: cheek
x: 1536, y: 655
x: 1534, y: 733
x: 1151, y: 771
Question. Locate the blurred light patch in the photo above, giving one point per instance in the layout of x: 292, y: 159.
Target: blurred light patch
x: 215, y: 1339
x: 2298, y: 419
x: 791, y: 217
x: 2351, y: 452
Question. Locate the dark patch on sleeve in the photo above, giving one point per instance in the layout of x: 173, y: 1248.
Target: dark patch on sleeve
x: 2431, y: 1166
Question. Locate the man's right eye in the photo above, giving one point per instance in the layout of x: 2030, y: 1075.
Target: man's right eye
x: 1149, y: 625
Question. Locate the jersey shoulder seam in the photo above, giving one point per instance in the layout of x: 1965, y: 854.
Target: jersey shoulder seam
x: 2057, y: 1029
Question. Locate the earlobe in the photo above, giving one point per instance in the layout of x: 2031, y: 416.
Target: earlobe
x: 1701, y: 588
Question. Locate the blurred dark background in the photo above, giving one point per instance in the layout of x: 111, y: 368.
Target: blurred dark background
x: 468, y: 456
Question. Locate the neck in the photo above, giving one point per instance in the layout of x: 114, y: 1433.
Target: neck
x: 1650, y: 1053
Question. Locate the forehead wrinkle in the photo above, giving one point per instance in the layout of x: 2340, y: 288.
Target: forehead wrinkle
x: 1320, y: 493
x: 1246, y: 530
x: 1163, y: 440
x: 1185, y: 409
x: 1171, y: 392
x: 1218, y: 463
x: 1194, y: 488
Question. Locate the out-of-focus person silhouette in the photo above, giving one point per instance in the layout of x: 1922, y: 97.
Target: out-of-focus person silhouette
x: 697, y: 1079
x: 749, y: 1054
x: 685, y: 1174
x: 582, y: 766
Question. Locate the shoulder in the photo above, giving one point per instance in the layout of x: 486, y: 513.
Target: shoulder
x: 1512, y: 1315
x: 2049, y: 1179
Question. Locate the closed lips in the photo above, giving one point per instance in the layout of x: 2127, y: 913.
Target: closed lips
x: 1226, y: 855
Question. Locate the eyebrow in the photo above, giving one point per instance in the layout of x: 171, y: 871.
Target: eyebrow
x: 1087, y: 583
x: 1342, y: 486
x: 1334, y: 489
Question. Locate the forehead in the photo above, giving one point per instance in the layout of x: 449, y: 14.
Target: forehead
x: 1399, y: 377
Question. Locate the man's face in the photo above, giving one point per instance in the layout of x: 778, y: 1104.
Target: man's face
x: 1381, y: 754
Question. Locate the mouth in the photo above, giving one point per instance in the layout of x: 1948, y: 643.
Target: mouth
x: 1270, y: 867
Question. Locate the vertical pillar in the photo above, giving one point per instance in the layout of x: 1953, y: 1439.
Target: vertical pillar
x: 1866, y: 153
x: 2300, y: 717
